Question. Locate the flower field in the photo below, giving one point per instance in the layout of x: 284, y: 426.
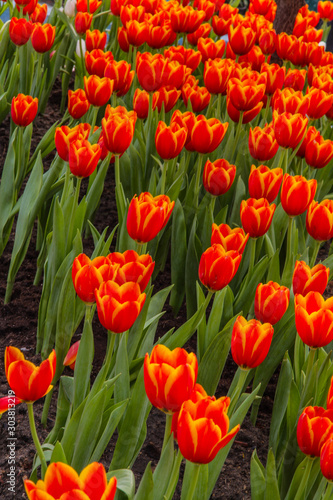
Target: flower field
x: 166, y: 219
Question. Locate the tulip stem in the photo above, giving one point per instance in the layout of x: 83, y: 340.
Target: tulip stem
x: 173, y: 476
x: 315, y: 253
x: 109, y: 351
x: 193, y: 483
x: 95, y: 110
x: 238, y: 390
x: 309, y: 366
x: 36, y: 441
x: 167, y: 430
x: 238, y: 131
x: 305, y: 478
x: 197, y: 181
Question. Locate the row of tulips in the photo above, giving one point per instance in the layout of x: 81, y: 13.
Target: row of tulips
x: 161, y: 205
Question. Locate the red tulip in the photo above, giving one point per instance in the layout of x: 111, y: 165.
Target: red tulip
x: 319, y: 220
x: 217, y: 267
x: 265, y: 182
x: 83, y: 157
x: 169, y: 141
x: 88, y: 275
x: 314, y: 319
x: 296, y: 194
x: 307, y: 280
x: 271, y: 302
x: 132, y: 267
x: 262, y: 143
x: 98, y: 90
x: 24, y: 109
x: 78, y: 103
x: 230, y: 239
x: 42, y: 37
x: 218, y: 176
x: 20, y: 30
x: 256, y: 216
x: 315, y: 426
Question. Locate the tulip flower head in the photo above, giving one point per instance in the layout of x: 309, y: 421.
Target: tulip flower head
x: 326, y: 454
x: 289, y: 129
x: 265, y: 182
x: 29, y: 382
x: 230, y: 239
x: 132, y: 267
x: 315, y: 426
x: 170, y: 141
x: 297, y: 193
x: 314, y: 319
x: 319, y: 220
x: 169, y: 377
x: 42, y: 37
x: 262, y: 143
x: 95, y: 40
x: 83, y: 158
x: 217, y: 267
x: 24, y: 109
x: 307, y: 280
x: 70, y: 358
x: 20, y: 30
x: 329, y: 400
x: 218, y: 176
x: 256, y: 216
x: 62, y: 481
x: 271, y: 302
x: 78, y: 103
x: 98, y: 90
x: 118, y: 129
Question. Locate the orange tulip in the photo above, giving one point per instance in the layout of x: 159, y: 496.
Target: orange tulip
x: 169, y: 377
x: 199, y: 97
x: 230, y: 239
x: 202, y: 32
x: 217, y: 267
x: 314, y: 53
x: 122, y: 37
x: 118, y: 306
x: 248, y: 116
x: 241, y: 39
x: 314, y: 427
x: 216, y: 75
x: 62, y: 481
x: 290, y: 101
x: 256, y: 216
x: 8, y: 402
x: 122, y: 76
x: 206, y: 134
x: 118, y: 130
x: 202, y: 429
x: 169, y: 141
x: 275, y: 77
x: 70, y: 358
x: 319, y: 220
x: 218, y: 176
x: 271, y: 302
x: 265, y: 182
x: 147, y: 216
x: 82, y: 5
x: 167, y: 97
x: 267, y: 41
x: 83, y: 158
x: 297, y: 193
x: 24, y: 109
x: 325, y: 9
x: 314, y: 319
x: 319, y: 103
x: 289, y: 129
x: 65, y: 135
x: 295, y: 78
x: 39, y: 14
x: 42, y: 37
x: 311, y: 135
x: 96, y: 62
x: 329, y: 399
x: 98, y: 90
x: 29, y: 382
x: 87, y: 275
x: 131, y: 12
x: 250, y: 342
x: 307, y: 280
x: 160, y: 36
x: 284, y: 45
x: 326, y: 451
x: 262, y: 143
x: 137, y: 33
x: 20, y: 30
x: 82, y: 22
x: 221, y: 25
x: 78, y: 103
x: 186, y: 19
x: 95, y: 40
x: 141, y: 103
x: 189, y: 57
x: 132, y: 267
x: 318, y: 152
x: 210, y: 49
x: 245, y: 95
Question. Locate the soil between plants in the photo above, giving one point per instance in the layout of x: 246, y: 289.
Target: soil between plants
x: 18, y: 325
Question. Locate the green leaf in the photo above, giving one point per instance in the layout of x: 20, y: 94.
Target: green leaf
x: 58, y: 454
x: 122, y: 385
x: 178, y: 256
x: 145, y: 490
x: 258, y: 478
x: 272, y: 488
x: 125, y: 482
x: 163, y: 470
x: 245, y: 297
x: 191, y: 272
x: 83, y: 365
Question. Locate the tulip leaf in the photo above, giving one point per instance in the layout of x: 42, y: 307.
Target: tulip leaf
x: 122, y: 385
x: 7, y: 194
x: 215, y: 316
x: 83, y: 365
x: 146, y: 486
x: 178, y: 256
x: 298, y: 477
x: 137, y: 328
x: 272, y: 488
x: 125, y: 483
x: 63, y: 408
x: 58, y: 454
x: 245, y: 297
x: 324, y: 375
x: 273, y: 272
x: 70, y: 431
x: 191, y: 272
x: 163, y: 470
x: 201, y: 330
x: 96, y: 190
x: 201, y: 486
x: 240, y: 191
x: 258, y: 478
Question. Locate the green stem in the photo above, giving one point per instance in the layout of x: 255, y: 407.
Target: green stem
x: 83, y: 62
x: 88, y: 314
x: 93, y: 120
x: 20, y: 164
x: 163, y: 178
x: 289, y: 238
x: 65, y: 188
x: 34, y: 435
x: 109, y: 351
x: 201, y: 338
x: 173, y: 477
x: 285, y: 164
x: 311, y: 358
x: 238, y: 390
x: 268, y: 105
x: 253, y: 242
x: 315, y: 253
x: 141, y: 248
x: 46, y: 407
x: 74, y: 208
x: 197, y: 181
x: 238, y: 131
x: 167, y: 430
x: 212, y: 206
x: 210, y: 105
x: 305, y: 478
x: 117, y: 171
x: 193, y: 483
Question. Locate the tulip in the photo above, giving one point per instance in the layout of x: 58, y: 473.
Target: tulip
x: 220, y: 25
x: 290, y: 101
x: 82, y: 22
x: 62, y: 481
x: 118, y: 306
x: 141, y: 103
x: 275, y: 77
x: 24, y: 109
x: 167, y: 97
x: 20, y: 30
x: 78, y: 103
x: 121, y: 74
x: 325, y: 9
x: 248, y: 116
x: 326, y: 452
x: 314, y: 427
x: 202, y: 32
x: 206, y: 135
x: 42, y: 37
x: 169, y: 141
x: 307, y: 280
x: 122, y: 37
x: 137, y: 33
x: 245, y: 95
x: 265, y: 182
x: 217, y: 267
x: 314, y: 53
x: 250, y: 342
x: 216, y: 75
x: 131, y: 12
x: 267, y: 40
x: 241, y: 39
x: 160, y: 36
x: 318, y: 152
x: 186, y: 19
x: 210, y: 49
x: 82, y: 5
x: 8, y: 402
x: 284, y: 45
x: 69, y: 8
x: 64, y: 136
x: 199, y: 97
x: 147, y: 216
x: 256, y: 216
x: 87, y: 275
x: 319, y: 220
x: 118, y: 131
x: 95, y: 40
x: 271, y: 302
x: 83, y: 158
x: 29, y: 7
x: 218, y: 176
x: 189, y: 57
x: 319, y: 103
x: 295, y: 79
x: 39, y: 14
x: 297, y: 193
x: 230, y: 239
x: 132, y: 267
x: 314, y: 319
x: 289, y: 129
x: 311, y: 135
x: 262, y: 143
x: 28, y: 381
x: 202, y: 429
x: 169, y: 377
x: 96, y: 62
x: 70, y: 358
x: 98, y: 90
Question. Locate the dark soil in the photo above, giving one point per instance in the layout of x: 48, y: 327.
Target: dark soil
x: 18, y: 328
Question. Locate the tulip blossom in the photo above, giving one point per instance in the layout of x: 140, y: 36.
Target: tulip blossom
x: 169, y: 377
x: 217, y: 267
x: 230, y: 239
x: 169, y: 141
x: 289, y: 129
x: 78, y: 103
x: 83, y: 157
x: 118, y: 130
x: 141, y: 103
x: 245, y: 94
x: 206, y: 134
x: 218, y: 176
x: 290, y: 101
x: 271, y: 302
x: 20, y: 30
x: 307, y: 280
x: 199, y: 97
x: 284, y: 45
x: 295, y: 78
x: 325, y: 9
x: 166, y: 96
x: 29, y: 382
x: 147, y: 216
x: 241, y: 39
x: 98, y: 90
x: 82, y: 5
x: 319, y: 103
x: 326, y: 453
x: 24, y: 109
x: 64, y: 136
x: 314, y: 319
x: 319, y: 152
x: 39, y: 14
x: 82, y: 22
x: 250, y: 342
x: 265, y: 182
x: 88, y: 275
x: 314, y: 427
x: 267, y: 40
x: 329, y: 399
x: 118, y: 306
x: 203, y: 429
x: 311, y: 135
x: 186, y: 19
x: 70, y: 358
x: 319, y: 220
x: 256, y: 216
x: 247, y: 116
x: 216, y: 75
x: 210, y: 49
x: 189, y: 57
x: 121, y: 74
x: 202, y: 32
x: 95, y: 40
x: 132, y: 267
x: 262, y: 143
x: 42, y: 37
x: 62, y: 481
x: 297, y: 193
x: 96, y: 62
